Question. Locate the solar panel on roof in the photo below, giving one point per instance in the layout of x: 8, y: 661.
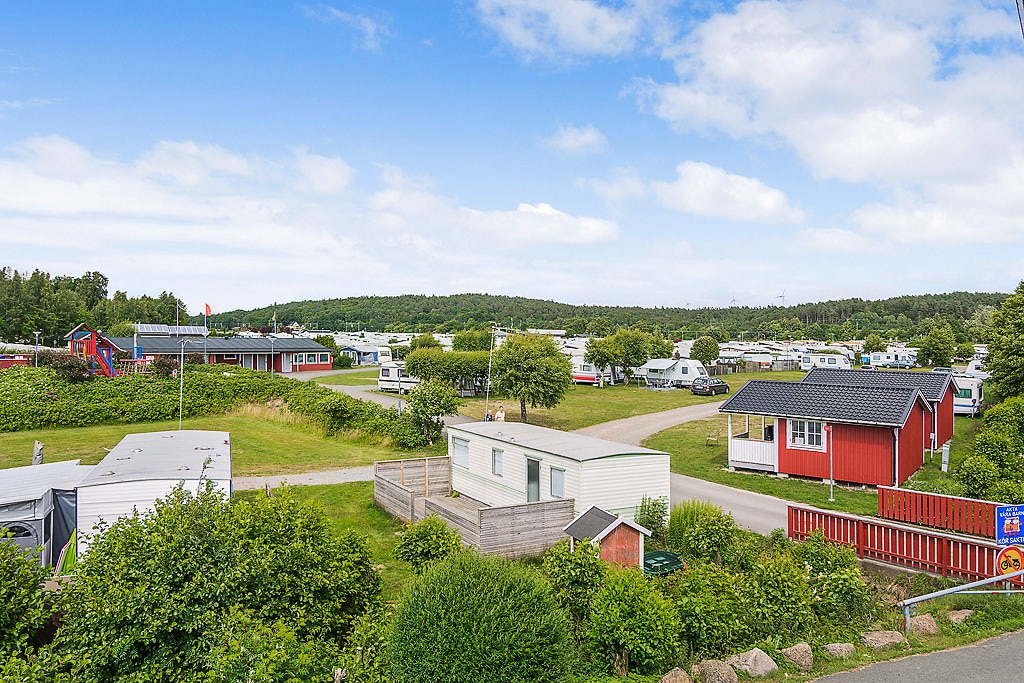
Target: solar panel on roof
x: 150, y: 328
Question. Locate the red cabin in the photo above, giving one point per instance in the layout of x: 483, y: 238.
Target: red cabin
x: 621, y: 541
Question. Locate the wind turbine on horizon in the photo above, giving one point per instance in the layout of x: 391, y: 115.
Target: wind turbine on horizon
x: 783, y: 297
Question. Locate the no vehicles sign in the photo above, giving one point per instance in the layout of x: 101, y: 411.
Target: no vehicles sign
x: 1009, y: 523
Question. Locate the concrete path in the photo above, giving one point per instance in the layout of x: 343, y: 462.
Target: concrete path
x: 996, y: 659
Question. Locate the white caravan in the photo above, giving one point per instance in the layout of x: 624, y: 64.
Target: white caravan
x: 393, y: 377
x: 824, y: 360
x: 969, y: 396
x: 587, y: 373
x: 671, y: 372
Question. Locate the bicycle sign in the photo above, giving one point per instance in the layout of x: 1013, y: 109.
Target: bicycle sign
x: 1010, y: 559
x: 1009, y: 520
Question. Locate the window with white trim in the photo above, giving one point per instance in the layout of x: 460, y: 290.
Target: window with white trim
x: 806, y: 434
x: 385, y: 372
x: 831, y: 361
x: 557, y: 482
x: 460, y: 452
x: 325, y: 358
x: 299, y: 359
x: 497, y: 464
x: 310, y: 357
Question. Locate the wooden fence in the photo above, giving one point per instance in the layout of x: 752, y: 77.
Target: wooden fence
x: 928, y: 551
x: 510, y: 530
x: 951, y: 513
x: 399, y: 485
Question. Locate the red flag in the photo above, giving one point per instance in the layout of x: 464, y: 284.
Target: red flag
x: 207, y: 309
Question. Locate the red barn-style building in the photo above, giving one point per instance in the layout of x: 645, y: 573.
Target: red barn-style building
x: 878, y: 433
x: 621, y: 541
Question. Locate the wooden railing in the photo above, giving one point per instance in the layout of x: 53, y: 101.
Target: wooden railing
x: 929, y: 551
x: 966, y: 515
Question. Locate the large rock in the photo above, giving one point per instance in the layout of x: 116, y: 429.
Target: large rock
x: 676, y: 675
x: 800, y: 656
x: 924, y: 625
x: 839, y: 650
x: 959, y: 616
x: 753, y: 662
x: 880, y: 640
x: 714, y: 671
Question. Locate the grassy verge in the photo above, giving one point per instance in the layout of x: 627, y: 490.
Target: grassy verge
x: 964, y: 431
x: 361, y: 378
x: 586, y: 405
x: 350, y: 508
x: 263, y: 442
x: 690, y: 456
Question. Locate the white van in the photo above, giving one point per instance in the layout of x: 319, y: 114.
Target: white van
x: 825, y: 360
x: 393, y: 377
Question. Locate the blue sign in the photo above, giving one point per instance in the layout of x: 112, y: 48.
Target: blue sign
x: 1010, y: 525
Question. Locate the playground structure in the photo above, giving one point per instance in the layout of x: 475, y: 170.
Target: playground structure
x: 101, y: 353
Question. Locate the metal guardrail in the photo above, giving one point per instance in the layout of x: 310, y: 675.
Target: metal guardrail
x: 908, y: 604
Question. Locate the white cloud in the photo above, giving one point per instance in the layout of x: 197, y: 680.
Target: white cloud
x: 623, y: 184
x: 577, y: 139
x: 371, y: 32
x: 25, y: 104
x: 707, y: 190
x: 568, y: 28
x: 322, y: 175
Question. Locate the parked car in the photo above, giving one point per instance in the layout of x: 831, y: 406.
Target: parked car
x: 899, y: 364
x: 709, y: 386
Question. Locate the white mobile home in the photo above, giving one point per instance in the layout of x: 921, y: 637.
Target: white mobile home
x: 834, y: 361
x: 969, y: 394
x: 143, y: 468
x: 393, y: 377
x: 507, y: 463
x: 672, y: 372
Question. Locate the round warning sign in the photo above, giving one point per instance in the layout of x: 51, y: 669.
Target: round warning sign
x: 1010, y: 559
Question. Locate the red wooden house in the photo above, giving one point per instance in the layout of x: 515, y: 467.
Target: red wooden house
x: 620, y: 540
x: 939, y: 389
x: 878, y: 433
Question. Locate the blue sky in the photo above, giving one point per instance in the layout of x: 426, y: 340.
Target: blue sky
x: 639, y: 152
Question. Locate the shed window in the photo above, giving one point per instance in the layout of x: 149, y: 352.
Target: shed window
x: 557, y: 482
x: 460, y: 452
x: 325, y: 358
x: 806, y: 433
x: 497, y: 455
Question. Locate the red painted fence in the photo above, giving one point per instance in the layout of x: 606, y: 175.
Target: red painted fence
x: 928, y: 551
x: 965, y: 515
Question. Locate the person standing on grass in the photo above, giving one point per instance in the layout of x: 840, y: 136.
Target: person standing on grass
x: 500, y: 415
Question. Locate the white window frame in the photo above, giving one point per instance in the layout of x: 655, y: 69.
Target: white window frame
x: 460, y: 452
x: 311, y: 358
x: 560, y: 491
x: 324, y: 358
x: 497, y: 462
x: 832, y: 361
x: 300, y: 359
x: 230, y: 356
x: 802, y: 433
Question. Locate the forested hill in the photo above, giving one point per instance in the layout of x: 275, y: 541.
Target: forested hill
x: 829, y: 319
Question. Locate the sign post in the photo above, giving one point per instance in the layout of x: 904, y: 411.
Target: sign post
x: 1009, y: 519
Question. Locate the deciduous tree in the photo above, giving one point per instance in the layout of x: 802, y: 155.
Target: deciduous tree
x: 532, y: 370
x: 704, y: 349
x: 1006, y: 350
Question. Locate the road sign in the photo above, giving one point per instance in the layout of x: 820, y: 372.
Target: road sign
x: 1010, y: 559
x: 1009, y: 525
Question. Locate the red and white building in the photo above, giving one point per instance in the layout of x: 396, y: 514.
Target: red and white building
x: 621, y: 541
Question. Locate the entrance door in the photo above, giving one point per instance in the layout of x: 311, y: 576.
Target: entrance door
x: 261, y: 362
x: 532, y: 480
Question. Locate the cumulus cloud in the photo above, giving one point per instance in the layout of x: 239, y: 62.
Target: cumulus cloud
x: 707, y: 190
x: 572, y: 139
x: 322, y: 175
x: 623, y: 184
x: 371, y: 33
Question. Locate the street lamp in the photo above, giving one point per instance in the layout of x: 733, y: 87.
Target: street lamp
x: 181, y: 380
x: 37, y: 333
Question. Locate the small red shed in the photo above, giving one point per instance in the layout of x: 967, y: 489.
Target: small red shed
x: 621, y: 541
x: 878, y: 433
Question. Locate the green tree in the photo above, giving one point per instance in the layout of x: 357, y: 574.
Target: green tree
x: 472, y: 340
x: 154, y: 590
x: 24, y: 606
x: 964, y: 351
x: 428, y: 403
x: 634, y: 348
x: 937, y: 347
x: 124, y: 328
x: 602, y: 353
x: 576, y: 576
x: 704, y: 349
x: 1006, y: 349
x: 873, y: 344
x: 474, y: 618
x: 533, y: 371
x: 427, y: 541
x: 424, y: 341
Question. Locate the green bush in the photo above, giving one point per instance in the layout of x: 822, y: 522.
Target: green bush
x: 977, y: 474
x: 652, y: 514
x: 633, y: 627
x: 426, y: 542
x: 1002, y: 447
x: 700, y: 530
x: 473, y: 618
x: 838, y: 589
x: 366, y: 657
x: 342, y: 361
x: 154, y: 592
x: 710, y: 609
x: 777, y: 597
x: 576, y: 576
x: 1007, y: 492
x: 24, y: 606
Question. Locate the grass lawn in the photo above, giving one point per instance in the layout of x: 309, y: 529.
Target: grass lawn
x: 585, y: 405
x: 361, y: 378
x: 263, y: 442
x: 694, y: 459
x: 350, y: 507
x: 964, y: 431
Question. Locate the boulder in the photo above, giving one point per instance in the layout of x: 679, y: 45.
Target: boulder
x: 879, y: 640
x: 839, y: 650
x: 676, y: 675
x: 753, y: 662
x: 959, y: 616
x: 800, y: 656
x: 924, y: 625
x: 714, y: 671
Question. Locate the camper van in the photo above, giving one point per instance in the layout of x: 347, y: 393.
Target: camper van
x: 824, y: 360
x: 587, y: 373
x: 671, y: 372
x: 969, y: 396
x: 393, y: 377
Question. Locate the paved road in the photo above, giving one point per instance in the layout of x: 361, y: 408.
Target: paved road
x: 633, y: 430
x: 996, y: 660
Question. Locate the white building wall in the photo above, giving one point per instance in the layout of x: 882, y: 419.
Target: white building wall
x: 108, y: 502
x: 618, y: 484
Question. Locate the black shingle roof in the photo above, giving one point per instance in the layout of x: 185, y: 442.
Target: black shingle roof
x: 884, y: 406
x: 932, y: 384
x: 163, y: 345
x: 590, y: 524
